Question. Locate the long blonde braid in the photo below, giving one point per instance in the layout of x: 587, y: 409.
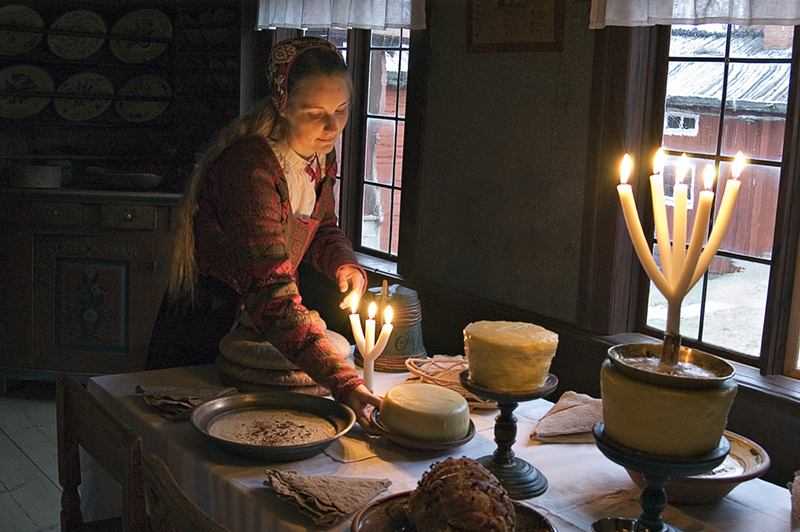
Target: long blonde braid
x: 264, y: 121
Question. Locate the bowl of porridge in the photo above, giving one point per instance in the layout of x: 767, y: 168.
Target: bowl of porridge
x: 273, y: 426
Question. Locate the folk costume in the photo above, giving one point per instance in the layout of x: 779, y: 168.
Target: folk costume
x: 262, y: 208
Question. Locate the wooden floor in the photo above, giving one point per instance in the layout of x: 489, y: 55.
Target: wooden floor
x: 29, y: 490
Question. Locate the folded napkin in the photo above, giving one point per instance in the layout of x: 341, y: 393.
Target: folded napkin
x: 570, y: 420
x: 324, y: 498
x: 794, y: 490
x: 173, y: 402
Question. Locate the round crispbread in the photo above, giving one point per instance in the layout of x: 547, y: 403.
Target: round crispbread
x: 271, y: 377
x: 250, y: 387
x: 246, y: 347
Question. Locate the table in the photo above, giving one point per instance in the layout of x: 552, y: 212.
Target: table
x: 583, y: 485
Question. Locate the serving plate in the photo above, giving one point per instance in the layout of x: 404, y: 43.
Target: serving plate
x: 340, y: 416
x: 419, y: 445
x: 28, y: 80
x: 144, y: 92
x: 73, y: 47
x: 18, y: 42
x: 745, y: 461
x: 145, y: 24
x: 83, y: 108
x: 388, y: 515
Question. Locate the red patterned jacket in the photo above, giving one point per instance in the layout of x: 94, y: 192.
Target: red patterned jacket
x: 247, y: 236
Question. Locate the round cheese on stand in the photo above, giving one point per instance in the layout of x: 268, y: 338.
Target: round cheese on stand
x: 509, y: 356
x: 425, y: 412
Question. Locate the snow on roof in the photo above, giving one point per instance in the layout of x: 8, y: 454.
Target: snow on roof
x: 751, y: 87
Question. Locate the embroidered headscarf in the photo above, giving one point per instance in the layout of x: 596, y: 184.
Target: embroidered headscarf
x: 281, y: 60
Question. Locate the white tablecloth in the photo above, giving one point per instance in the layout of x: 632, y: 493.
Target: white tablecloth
x: 583, y: 485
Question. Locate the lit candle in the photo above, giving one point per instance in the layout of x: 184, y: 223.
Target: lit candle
x: 680, y: 194
x: 704, y: 204
x: 635, y: 228
x: 375, y: 352
x: 369, y: 329
x: 660, y: 215
x: 355, y: 324
x: 386, y: 331
x: 722, y: 219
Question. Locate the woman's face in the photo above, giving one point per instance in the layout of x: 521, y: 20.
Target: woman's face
x: 315, y: 113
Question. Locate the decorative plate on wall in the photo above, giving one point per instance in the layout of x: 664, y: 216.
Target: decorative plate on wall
x: 22, y: 82
x: 83, y: 108
x: 146, y: 24
x: 144, y: 91
x: 74, y: 47
x: 18, y: 42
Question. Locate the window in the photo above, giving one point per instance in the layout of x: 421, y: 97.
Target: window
x: 371, y: 153
x: 727, y: 90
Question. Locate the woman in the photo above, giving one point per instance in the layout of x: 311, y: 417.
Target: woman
x: 260, y: 201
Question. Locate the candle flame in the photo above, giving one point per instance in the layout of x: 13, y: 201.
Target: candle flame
x: 354, y: 300
x: 738, y: 165
x: 388, y: 314
x: 683, y: 169
x: 373, y: 308
x: 708, y: 176
x: 625, y: 169
x: 658, y: 163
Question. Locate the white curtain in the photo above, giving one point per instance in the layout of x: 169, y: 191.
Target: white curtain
x: 645, y: 13
x: 362, y: 14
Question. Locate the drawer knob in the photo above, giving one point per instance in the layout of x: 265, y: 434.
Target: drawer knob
x: 129, y: 216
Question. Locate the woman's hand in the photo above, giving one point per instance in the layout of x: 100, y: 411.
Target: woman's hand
x: 362, y: 401
x: 350, y: 279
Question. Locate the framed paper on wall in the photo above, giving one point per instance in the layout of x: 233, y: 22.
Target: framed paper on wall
x: 515, y: 26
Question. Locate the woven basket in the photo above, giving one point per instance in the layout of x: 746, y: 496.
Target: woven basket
x: 444, y: 370
x: 35, y: 177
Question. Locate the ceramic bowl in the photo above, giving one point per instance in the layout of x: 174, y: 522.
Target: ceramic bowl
x: 747, y: 460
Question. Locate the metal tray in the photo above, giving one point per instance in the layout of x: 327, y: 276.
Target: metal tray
x: 339, y: 415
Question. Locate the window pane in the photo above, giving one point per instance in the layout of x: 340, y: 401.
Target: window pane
x: 736, y: 299
x: 376, y: 218
x: 398, y: 161
x: 693, y: 103
x: 755, y: 114
x: 751, y: 228
x: 395, y: 220
x: 762, y: 41
x: 706, y: 40
x: 388, y: 38
x: 384, y: 72
x: 380, y: 151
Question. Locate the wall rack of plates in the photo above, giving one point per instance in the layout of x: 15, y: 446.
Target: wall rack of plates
x: 121, y: 86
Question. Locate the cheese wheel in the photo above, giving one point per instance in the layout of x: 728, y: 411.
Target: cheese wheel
x: 425, y: 412
x: 509, y: 356
x: 660, y: 420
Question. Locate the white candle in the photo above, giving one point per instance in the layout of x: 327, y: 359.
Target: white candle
x: 371, y: 354
x: 635, y: 229
x: 680, y: 195
x: 386, y: 331
x: 660, y: 215
x: 722, y: 219
x: 369, y: 329
x: 355, y: 324
x: 704, y: 204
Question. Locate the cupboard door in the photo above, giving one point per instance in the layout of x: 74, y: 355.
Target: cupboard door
x: 87, y: 289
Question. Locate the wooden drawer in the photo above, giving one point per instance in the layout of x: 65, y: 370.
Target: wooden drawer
x: 61, y: 214
x: 128, y: 216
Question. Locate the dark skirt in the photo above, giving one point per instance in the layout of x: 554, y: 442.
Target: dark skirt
x: 189, y: 335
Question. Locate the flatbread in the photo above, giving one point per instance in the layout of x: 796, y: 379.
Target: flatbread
x: 325, y: 498
x: 272, y: 377
x: 250, y: 387
x: 247, y: 347
x: 570, y: 420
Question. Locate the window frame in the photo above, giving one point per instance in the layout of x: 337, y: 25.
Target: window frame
x: 629, y: 119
